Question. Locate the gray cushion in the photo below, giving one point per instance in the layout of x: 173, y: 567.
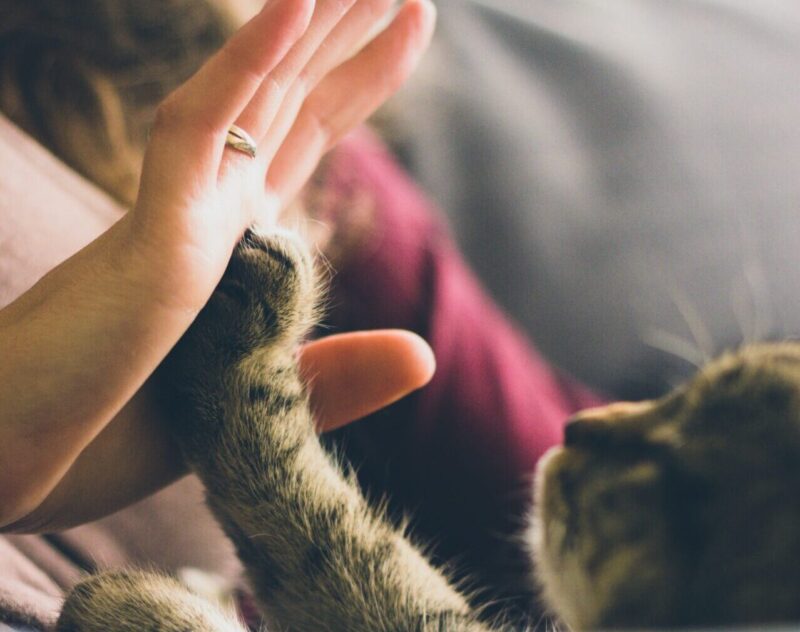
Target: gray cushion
x: 623, y: 175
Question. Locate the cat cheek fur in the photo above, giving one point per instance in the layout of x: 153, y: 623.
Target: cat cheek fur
x: 565, y: 586
x: 601, y: 542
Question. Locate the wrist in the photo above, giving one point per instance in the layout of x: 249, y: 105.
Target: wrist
x: 77, y: 346
x: 168, y: 268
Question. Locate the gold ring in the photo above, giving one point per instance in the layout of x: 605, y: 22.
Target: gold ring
x: 241, y: 141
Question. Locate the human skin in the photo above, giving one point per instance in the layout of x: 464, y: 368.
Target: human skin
x: 80, y: 434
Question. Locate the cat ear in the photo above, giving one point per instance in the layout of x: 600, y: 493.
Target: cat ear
x: 352, y: 375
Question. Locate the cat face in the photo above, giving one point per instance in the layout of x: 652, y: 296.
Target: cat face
x: 679, y: 511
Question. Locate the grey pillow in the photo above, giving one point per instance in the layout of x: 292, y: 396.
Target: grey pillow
x: 623, y: 175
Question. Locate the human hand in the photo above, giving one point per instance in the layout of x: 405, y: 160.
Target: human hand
x: 79, y: 346
x: 286, y: 78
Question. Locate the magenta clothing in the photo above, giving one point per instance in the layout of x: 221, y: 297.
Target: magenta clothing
x: 459, y: 454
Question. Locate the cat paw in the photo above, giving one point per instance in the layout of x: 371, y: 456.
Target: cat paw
x: 266, y: 299
x: 133, y: 601
x: 267, y: 295
x: 261, y: 308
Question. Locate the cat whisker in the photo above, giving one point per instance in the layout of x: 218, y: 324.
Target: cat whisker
x: 676, y: 346
x: 703, y: 340
x: 750, y: 298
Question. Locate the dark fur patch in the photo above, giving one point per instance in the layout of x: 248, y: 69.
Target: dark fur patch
x: 278, y: 402
x: 286, y: 262
x: 316, y: 561
x: 259, y: 392
x: 234, y: 290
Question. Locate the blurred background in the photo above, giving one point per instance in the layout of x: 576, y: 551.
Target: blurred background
x: 622, y: 175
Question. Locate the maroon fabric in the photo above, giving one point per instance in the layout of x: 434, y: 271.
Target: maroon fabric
x: 459, y: 454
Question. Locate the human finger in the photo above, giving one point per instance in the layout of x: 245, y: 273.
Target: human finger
x: 266, y: 100
x: 352, y: 375
x: 348, y: 35
x: 349, y: 94
x: 190, y: 125
x: 342, y: 42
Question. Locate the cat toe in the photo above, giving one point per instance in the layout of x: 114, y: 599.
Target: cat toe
x: 272, y: 277
x: 265, y: 300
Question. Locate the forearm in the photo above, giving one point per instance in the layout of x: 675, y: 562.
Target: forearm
x: 131, y: 458
x: 78, y: 345
x: 56, y: 401
x: 134, y: 455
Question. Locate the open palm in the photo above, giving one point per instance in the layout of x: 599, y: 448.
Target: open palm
x: 290, y: 78
x: 81, y: 344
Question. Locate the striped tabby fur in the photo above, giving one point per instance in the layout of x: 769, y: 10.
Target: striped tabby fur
x: 678, y: 512
x: 317, y: 556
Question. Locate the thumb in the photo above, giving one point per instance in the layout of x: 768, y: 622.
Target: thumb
x: 351, y: 375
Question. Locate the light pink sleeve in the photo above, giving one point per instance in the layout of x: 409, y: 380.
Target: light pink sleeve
x: 47, y: 212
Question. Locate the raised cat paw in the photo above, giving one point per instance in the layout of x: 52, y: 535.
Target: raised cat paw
x: 245, y: 334
x: 265, y: 298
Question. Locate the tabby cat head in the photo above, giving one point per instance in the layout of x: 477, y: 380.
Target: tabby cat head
x: 680, y: 511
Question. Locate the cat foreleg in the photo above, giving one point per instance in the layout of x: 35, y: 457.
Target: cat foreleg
x: 319, y: 557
